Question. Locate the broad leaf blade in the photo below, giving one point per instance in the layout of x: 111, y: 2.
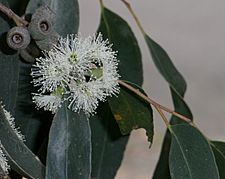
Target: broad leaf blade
x: 191, y: 156
x: 177, y: 87
x: 114, y: 28
x: 108, y: 145
x: 165, y: 66
x: 180, y: 107
x: 219, y: 153
x: 69, y: 147
x: 131, y: 112
x: 67, y: 14
x: 162, y: 167
x: 20, y: 157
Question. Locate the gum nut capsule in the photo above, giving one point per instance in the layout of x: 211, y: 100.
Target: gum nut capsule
x: 40, y: 28
x: 44, y: 11
x: 18, y: 38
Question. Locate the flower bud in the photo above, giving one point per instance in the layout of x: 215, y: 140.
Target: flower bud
x: 18, y: 38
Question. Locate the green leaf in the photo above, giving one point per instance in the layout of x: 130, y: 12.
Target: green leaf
x: 114, y: 28
x: 165, y: 66
x: 162, y: 167
x: 67, y: 14
x: 69, y: 147
x: 177, y: 87
x: 180, y: 107
x: 131, y: 112
x: 219, y: 153
x: 191, y: 156
x: 20, y: 157
x: 108, y: 145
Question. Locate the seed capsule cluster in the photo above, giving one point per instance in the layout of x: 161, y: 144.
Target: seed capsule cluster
x: 38, y: 34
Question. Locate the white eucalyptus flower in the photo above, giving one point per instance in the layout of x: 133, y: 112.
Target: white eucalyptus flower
x: 85, y: 68
x: 48, y: 102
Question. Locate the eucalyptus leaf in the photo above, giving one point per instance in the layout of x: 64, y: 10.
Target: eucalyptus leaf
x: 67, y: 14
x: 131, y: 112
x: 177, y: 87
x: 219, y: 153
x: 69, y: 147
x: 114, y: 28
x: 162, y: 167
x: 191, y: 156
x: 165, y: 66
x: 108, y: 145
x: 20, y: 157
x: 180, y: 107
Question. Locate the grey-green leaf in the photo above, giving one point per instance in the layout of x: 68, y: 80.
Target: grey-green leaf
x: 20, y: 157
x: 108, y: 145
x: 219, y: 153
x: 191, y: 156
x: 131, y: 112
x: 69, y: 147
x: 67, y: 14
x: 165, y: 66
x: 162, y: 167
x: 114, y: 28
x: 177, y: 87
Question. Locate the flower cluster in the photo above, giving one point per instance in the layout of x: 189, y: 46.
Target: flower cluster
x: 80, y: 70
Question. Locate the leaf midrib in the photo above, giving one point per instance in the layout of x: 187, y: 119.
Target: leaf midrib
x: 185, y: 159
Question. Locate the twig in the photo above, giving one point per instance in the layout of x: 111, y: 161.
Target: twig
x: 18, y: 20
x: 162, y: 115
x: 134, y: 16
x: 155, y: 104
